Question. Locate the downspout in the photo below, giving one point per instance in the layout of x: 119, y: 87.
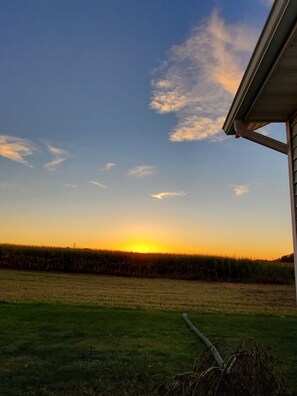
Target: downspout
x: 293, y: 198
x: 242, y: 131
x: 206, y: 341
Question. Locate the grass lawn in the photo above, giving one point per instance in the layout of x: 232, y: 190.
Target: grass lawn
x: 63, y: 349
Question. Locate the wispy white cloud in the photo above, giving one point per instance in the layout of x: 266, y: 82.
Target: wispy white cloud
x: 240, y: 190
x: 108, y: 166
x: 164, y: 195
x: 200, y: 76
x: 142, y: 170
x: 60, y: 155
x: 16, y: 148
x: 71, y: 185
x: 12, y: 186
x: 98, y: 184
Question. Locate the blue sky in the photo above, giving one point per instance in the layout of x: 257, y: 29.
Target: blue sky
x: 111, y: 115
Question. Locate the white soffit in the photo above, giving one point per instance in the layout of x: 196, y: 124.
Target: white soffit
x: 268, y: 90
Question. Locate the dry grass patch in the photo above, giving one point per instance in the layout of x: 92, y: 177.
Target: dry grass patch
x: 30, y: 286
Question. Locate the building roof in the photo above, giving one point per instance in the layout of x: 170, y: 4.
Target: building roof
x: 268, y: 90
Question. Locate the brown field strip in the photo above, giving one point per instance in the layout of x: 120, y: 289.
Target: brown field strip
x: 29, y: 286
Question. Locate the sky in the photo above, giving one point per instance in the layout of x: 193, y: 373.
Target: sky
x: 110, y: 129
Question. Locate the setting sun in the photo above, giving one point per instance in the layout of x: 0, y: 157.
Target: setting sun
x: 143, y: 247
x: 140, y: 248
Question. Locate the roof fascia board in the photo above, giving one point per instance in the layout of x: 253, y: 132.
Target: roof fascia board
x: 272, y: 69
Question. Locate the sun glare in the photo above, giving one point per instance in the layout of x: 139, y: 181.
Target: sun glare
x: 143, y: 247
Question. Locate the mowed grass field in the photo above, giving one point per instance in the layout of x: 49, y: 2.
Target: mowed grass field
x: 76, y: 334
x: 169, y: 294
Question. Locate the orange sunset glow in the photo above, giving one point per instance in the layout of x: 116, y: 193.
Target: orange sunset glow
x: 124, y: 149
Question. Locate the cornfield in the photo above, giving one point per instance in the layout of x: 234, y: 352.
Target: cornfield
x: 150, y: 265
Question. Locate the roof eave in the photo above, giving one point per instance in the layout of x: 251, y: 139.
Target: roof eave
x: 277, y: 28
